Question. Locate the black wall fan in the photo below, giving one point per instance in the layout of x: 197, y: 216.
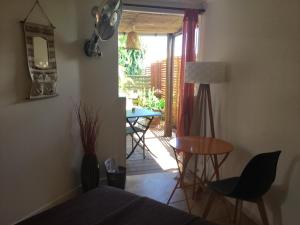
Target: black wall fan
x: 107, y: 17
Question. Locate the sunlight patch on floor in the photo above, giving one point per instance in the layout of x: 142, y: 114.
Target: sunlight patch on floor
x: 163, y: 157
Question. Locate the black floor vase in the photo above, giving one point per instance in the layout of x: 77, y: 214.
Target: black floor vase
x: 89, y: 172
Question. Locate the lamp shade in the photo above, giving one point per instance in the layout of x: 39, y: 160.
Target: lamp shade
x: 133, y: 41
x: 205, y: 72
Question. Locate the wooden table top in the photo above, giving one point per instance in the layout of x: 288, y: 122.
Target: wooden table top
x: 201, y: 145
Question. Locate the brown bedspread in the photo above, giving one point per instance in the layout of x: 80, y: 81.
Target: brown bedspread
x: 110, y: 206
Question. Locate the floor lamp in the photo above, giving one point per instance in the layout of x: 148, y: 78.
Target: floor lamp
x: 204, y: 73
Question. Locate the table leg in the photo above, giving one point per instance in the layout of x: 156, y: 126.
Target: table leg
x: 131, y: 124
x: 217, y: 165
x: 180, y: 181
x: 185, y: 161
x: 204, y: 169
x: 146, y: 129
x: 187, y: 201
x: 140, y: 138
x: 173, y: 191
x: 195, y: 176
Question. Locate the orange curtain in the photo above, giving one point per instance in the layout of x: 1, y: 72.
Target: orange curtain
x: 186, y: 91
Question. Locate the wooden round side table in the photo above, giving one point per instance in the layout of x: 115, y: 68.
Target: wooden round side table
x: 208, y: 147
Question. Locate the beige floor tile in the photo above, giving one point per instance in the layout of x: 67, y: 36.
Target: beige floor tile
x: 159, y: 186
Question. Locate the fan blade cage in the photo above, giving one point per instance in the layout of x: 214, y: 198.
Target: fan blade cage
x: 105, y: 27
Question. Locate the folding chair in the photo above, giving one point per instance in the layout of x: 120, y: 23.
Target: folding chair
x: 138, y: 127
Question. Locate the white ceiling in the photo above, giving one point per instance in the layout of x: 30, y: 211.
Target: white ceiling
x: 159, y: 19
x: 171, y: 3
x: 150, y: 23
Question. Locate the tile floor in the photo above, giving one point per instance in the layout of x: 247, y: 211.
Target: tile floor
x: 158, y: 186
x: 155, y: 177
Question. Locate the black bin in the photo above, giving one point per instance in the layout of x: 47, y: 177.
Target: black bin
x: 117, y: 179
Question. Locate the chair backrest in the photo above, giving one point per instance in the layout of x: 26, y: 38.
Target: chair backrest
x: 258, y: 176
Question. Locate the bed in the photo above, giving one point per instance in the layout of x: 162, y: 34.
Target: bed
x: 110, y: 206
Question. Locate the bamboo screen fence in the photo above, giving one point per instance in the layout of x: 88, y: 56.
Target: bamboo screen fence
x: 158, y: 81
x: 155, y: 77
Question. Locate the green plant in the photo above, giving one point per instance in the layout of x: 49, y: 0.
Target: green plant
x: 131, y: 59
x: 124, y: 82
x: 147, y: 99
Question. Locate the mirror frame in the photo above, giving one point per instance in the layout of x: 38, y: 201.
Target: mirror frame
x: 43, y: 80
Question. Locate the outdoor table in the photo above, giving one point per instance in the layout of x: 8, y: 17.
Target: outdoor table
x: 133, y: 118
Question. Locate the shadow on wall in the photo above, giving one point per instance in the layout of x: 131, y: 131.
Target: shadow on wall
x: 239, y: 157
x: 19, y: 91
x: 22, y: 82
x: 66, y: 49
x: 278, y: 194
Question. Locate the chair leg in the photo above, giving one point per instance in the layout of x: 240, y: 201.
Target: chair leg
x: 228, y: 210
x: 262, y: 211
x: 237, y: 211
x: 210, y: 201
x: 144, y: 155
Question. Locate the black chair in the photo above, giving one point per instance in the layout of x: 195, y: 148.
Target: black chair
x: 255, y: 180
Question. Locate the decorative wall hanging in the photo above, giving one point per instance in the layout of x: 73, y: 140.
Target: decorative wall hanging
x: 40, y: 49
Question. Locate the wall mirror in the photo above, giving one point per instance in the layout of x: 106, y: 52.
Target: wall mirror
x: 40, y: 52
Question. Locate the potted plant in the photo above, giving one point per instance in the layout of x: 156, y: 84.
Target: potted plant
x: 131, y: 59
x: 149, y: 100
x: 88, y: 123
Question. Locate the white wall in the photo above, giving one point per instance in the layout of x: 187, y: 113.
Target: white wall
x: 40, y: 149
x: 258, y: 109
x: 99, y: 87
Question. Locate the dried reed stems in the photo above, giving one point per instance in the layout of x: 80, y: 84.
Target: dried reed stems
x: 88, y: 123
